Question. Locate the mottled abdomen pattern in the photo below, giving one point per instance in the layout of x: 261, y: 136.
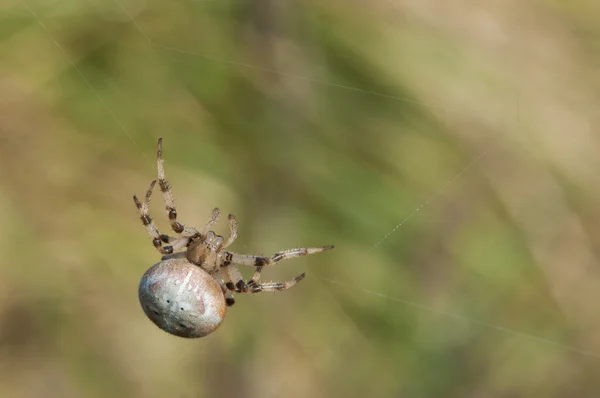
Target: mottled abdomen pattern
x: 181, y: 298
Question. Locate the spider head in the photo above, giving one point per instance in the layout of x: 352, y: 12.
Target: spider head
x: 202, y: 249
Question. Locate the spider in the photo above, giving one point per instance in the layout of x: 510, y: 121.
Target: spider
x: 187, y: 292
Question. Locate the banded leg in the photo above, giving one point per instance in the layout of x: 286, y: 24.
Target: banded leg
x: 166, y: 191
x: 260, y: 261
x: 231, y: 275
x: 177, y: 242
x: 229, y: 300
x: 232, y: 231
x: 168, y: 197
x: 256, y: 277
x: 214, y: 217
x: 276, y: 286
x: 234, y: 280
x: 157, y: 237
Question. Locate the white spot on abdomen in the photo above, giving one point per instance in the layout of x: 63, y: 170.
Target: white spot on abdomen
x: 185, y: 282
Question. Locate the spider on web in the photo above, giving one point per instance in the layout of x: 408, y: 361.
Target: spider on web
x: 187, y: 292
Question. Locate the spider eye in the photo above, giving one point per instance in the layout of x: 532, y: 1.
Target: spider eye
x: 182, y: 299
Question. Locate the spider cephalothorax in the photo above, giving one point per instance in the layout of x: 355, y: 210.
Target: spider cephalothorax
x: 186, y: 293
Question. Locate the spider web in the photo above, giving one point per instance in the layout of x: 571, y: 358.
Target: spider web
x: 435, y: 196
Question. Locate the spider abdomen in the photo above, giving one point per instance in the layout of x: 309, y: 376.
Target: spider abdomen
x: 181, y: 298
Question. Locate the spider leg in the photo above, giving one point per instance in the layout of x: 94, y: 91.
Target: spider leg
x: 157, y: 238
x: 256, y: 277
x: 213, y: 219
x: 261, y: 261
x: 232, y: 230
x: 229, y: 300
x: 173, y: 255
x: 275, y: 286
x: 177, y: 243
x: 180, y: 242
x: 255, y: 286
x: 231, y: 274
x: 168, y: 196
x: 234, y: 280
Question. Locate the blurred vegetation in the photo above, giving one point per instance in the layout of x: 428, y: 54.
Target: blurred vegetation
x: 471, y: 124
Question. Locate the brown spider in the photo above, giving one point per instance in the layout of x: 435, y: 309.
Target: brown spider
x: 186, y: 293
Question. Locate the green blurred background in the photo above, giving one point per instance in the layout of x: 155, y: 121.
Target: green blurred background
x: 471, y: 124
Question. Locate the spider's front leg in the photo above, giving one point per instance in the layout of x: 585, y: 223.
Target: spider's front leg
x: 165, y: 188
